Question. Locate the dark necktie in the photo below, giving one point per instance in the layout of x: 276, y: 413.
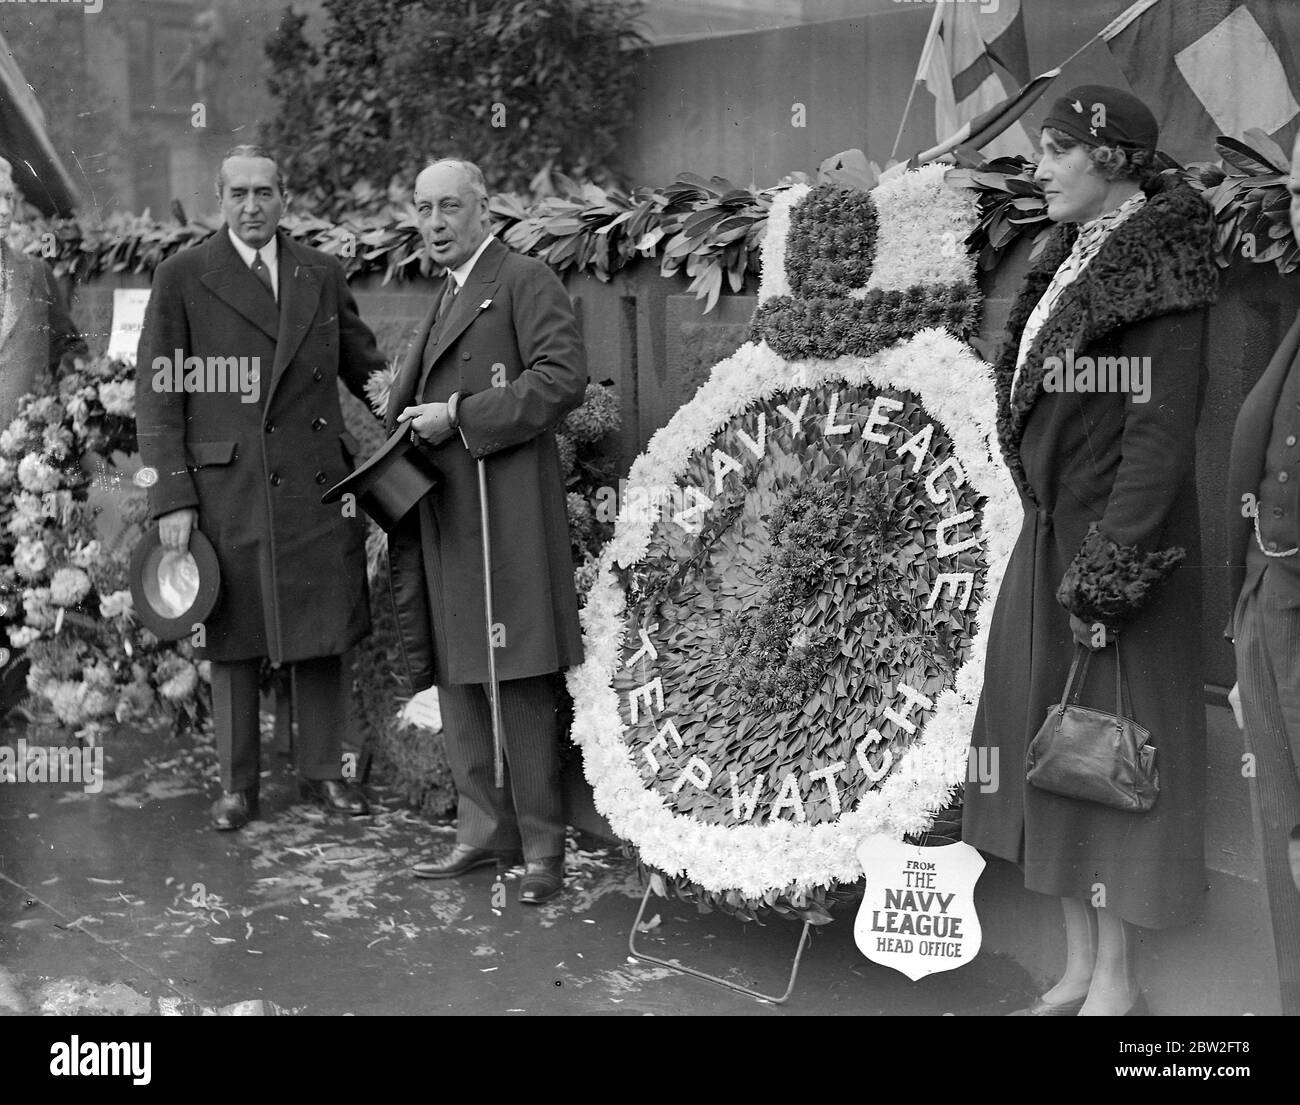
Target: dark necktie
x: 263, y: 273
x: 448, y: 296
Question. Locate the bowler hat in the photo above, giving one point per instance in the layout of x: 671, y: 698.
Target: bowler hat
x: 171, y: 590
x: 391, y: 482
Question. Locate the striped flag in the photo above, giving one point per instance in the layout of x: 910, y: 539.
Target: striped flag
x: 958, y: 67
x: 1211, y: 67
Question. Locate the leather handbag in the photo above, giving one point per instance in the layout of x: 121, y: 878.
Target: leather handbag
x: 1093, y: 755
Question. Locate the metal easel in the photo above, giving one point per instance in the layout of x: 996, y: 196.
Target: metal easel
x: 672, y: 966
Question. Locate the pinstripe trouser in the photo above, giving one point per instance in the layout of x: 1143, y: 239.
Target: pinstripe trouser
x: 1267, y: 640
x: 528, y: 811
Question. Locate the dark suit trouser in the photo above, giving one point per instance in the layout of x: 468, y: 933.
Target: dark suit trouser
x: 1268, y: 676
x: 320, y: 707
x: 528, y: 811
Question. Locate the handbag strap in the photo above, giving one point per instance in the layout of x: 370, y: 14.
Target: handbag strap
x: 1123, y: 700
x: 1079, y: 667
x: 1080, y: 654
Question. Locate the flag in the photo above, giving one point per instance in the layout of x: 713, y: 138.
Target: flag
x: 957, y: 65
x: 1211, y: 67
x: 983, y: 129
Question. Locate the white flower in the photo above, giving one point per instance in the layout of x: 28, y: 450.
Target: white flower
x: 86, y: 555
x: 118, y: 397
x: 30, y: 558
x: 181, y: 685
x: 35, y: 475
x: 116, y: 605
x: 20, y: 636
x: 57, y: 441
x: 13, y: 438
x: 69, y: 586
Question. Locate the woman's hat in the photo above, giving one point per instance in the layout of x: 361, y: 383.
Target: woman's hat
x: 391, y: 482
x: 172, y: 591
x: 1098, y: 115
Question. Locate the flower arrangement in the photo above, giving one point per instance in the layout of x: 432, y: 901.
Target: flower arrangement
x: 787, y: 655
x: 589, y: 462
x: 64, y: 591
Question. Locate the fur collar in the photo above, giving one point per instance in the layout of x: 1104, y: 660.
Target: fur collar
x: 1159, y: 260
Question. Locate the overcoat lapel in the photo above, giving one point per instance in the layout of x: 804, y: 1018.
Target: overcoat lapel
x: 233, y: 282
x: 300, y: 290
x: 480, y: 287
x: 403, y: 390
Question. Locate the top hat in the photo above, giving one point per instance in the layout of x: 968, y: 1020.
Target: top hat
x: 171, y: 590
x: 391, y: 482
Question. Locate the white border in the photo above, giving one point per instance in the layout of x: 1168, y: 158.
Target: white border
x: 956, y: 390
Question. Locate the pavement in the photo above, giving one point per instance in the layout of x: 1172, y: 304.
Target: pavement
x: 125, y: 902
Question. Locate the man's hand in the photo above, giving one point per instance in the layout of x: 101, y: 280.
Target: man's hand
x: 1088, y: 636
x: 174, y: 528
x: 430, y: 421
x: 1234, y: 700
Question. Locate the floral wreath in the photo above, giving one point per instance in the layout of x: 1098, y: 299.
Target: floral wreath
x: 65, y: 600
x: 772, y: 673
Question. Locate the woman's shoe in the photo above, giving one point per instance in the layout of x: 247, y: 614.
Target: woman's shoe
x: 1042, y: 1008
x: 1139, y: 1007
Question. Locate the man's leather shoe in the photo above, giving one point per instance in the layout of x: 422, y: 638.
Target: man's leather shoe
x: 543, y: 879
x: 335, y: 795
x: 234, y: 809
x: 462, y: 858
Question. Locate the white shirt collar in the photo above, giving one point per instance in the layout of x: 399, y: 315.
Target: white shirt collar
x: 461, y: 272
x: 270, y: 252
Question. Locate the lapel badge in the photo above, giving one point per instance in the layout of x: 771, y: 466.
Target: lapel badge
x: 485, y: 305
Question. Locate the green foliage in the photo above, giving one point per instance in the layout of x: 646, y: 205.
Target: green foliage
x: 1252, y: 206
x: 799, y: 329
x: 832, y: 242
x: 522, y: 89
x: 710, y: 229
x: 409, y: 757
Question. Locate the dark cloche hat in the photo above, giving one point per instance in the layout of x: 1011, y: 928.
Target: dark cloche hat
x: 1098, y: 115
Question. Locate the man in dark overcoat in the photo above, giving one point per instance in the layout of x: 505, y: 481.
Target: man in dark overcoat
x: 244, y: 342
x: 36, y: 332
x: 495, y: 365
x: 1263, y: 515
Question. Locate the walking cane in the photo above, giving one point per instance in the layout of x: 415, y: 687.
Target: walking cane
x: 498, y: 758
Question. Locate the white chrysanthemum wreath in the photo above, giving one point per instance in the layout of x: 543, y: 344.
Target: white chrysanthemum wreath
x: 789, y: 856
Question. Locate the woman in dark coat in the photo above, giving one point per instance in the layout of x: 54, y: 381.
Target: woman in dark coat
x: 1110, y: 547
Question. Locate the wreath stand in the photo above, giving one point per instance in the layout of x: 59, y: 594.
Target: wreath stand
x: 794, y: 967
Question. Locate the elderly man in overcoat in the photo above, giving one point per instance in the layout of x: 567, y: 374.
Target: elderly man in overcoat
x: 495, y: 365
x: 244, y: 342
x: 36, y: 333
x: 1263, y: 527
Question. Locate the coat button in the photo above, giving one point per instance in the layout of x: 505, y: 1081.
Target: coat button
x: 318, y: 424
x: 275, y: 479
x: 464, y: 356
x: 321, y: 477
x: 1290, y: 439
x: 317, y: 375
x: 1278, y: 512
x: 1272, y: 546
x: 270, y: 427
x: 1282, y: 477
